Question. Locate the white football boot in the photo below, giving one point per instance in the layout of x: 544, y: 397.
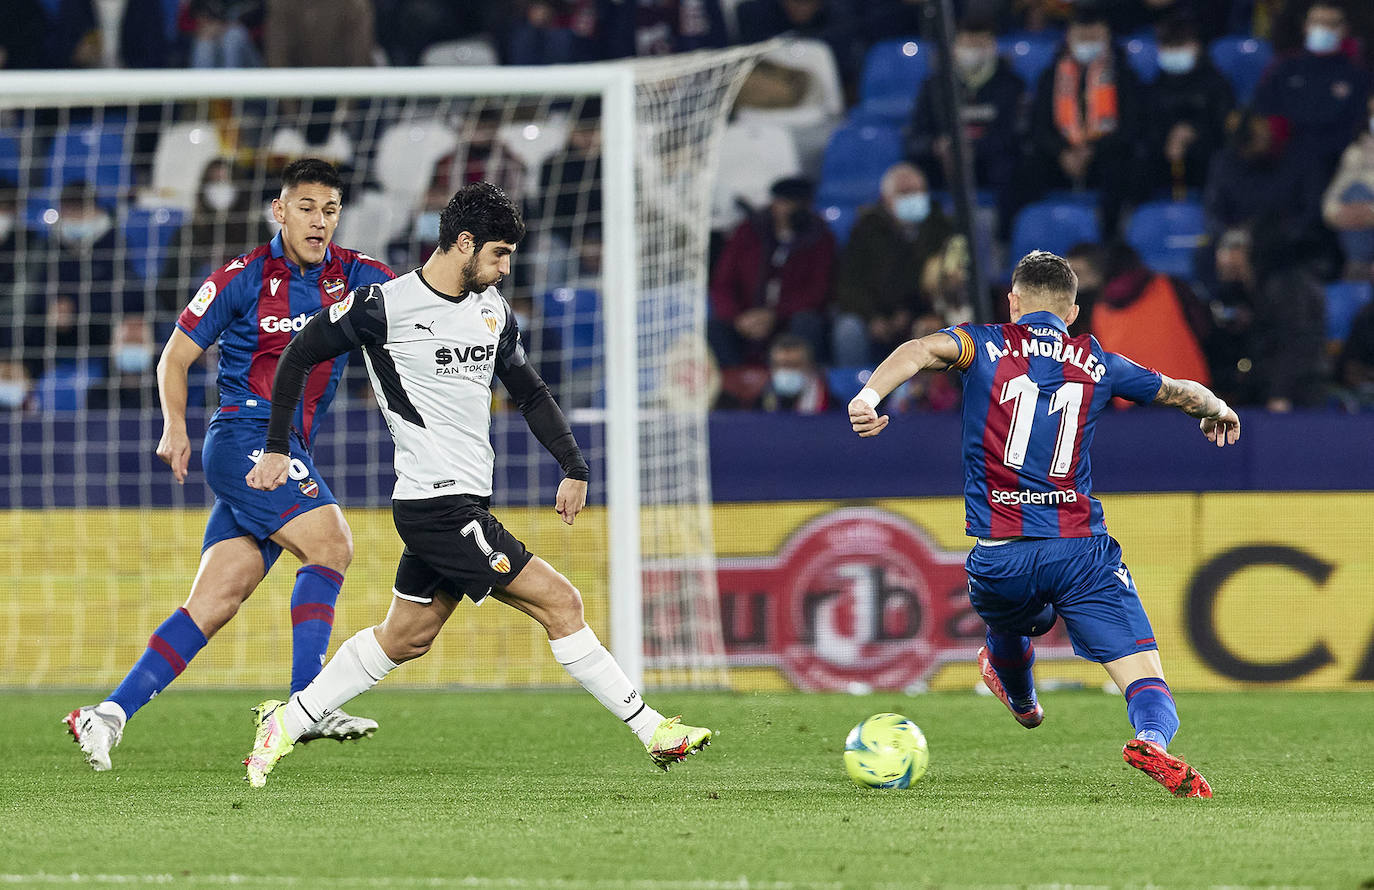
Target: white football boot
x: 97, y: 729
x: 340, y: 727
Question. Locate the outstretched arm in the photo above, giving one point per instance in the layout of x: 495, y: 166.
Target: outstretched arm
x: 938, y: 350
x: 1218, y: 422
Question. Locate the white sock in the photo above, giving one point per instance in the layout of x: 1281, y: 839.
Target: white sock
x: 359, y: 665
x: 583, y: 656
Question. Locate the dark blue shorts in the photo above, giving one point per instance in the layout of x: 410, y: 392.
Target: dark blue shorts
x: 1021, y: 587
x: 231, y: 447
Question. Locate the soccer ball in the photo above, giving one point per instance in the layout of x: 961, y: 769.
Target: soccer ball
x: 886, y: 751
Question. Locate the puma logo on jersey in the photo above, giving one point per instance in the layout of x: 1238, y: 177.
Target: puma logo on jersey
x: 425, y: 327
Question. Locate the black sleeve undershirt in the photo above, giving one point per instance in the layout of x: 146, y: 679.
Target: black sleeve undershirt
x: 531, y: 395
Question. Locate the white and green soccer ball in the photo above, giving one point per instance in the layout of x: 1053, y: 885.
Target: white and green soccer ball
x: 886, y: 751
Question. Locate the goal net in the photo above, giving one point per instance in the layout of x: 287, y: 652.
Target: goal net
x: 127, y: 188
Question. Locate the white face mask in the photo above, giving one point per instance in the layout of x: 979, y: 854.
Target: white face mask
x: 83, y: 232
x: 12, y: 393
x: 1322, y: 40
x: 912, y: 208
x: 6, y: 225
x: 1089, y: 52
x: 788, y: 382
x: 133, y: 358
x: 1178, y: 61
x: 971, y: 59
x: 219, y: 195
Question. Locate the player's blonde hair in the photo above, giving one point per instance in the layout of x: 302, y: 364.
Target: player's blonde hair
x: 1044, y: 280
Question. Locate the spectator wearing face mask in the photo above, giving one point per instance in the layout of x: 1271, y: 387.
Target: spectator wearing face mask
x: 130, y: 383
x: 1186, y: 111
x: 991, y: 94
x: 1348, y: 206
x: 78, y: 285
x: 774, y: 275
x: 1320, y: 92
x: 795, y: 384
x: 879, y: 281
x: 226, y: 222
x: 15, y: 385
x: 1086, y: 120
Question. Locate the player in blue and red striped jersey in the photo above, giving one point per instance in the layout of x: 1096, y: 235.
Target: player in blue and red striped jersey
x: 1032, y: 395
x: 253, y: 306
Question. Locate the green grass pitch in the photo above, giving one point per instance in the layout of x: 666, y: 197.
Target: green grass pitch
x: 544, y: 790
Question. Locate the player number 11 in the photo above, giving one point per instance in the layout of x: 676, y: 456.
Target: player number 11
x: 1025, y: 395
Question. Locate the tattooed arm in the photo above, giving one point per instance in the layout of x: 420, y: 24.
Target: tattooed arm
x: 1217, y: 421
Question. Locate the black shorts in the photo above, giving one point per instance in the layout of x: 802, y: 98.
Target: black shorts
x: 454, y: 546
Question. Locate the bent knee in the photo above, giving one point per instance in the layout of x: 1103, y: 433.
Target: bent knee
x: 334, y: 553
x: 564, y: 609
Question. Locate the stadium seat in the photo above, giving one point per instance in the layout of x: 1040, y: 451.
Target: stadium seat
x: 855, y: 160
x: 1142, y: 54
x: 753, y: 155
x: 476, y: 51
x: 64, y: 387
x: 1167, y: 234
x: 95, y: 154
x: 1243, y: 61
x: 9, y: 160
x: 893, y: 73
x: 1052, y: 225
x: 1029, y: 55
x: 843, y: 383
x: 406, y: 156
x: 573, y: 311
x: 840, y: 218
x: 147, y: 232
x: 183, y: 151
x: 1344, y: 300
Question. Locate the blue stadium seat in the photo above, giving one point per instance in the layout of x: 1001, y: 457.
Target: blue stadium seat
x: 1242, y: 60
x: 893, y: 73
x: 1142, y: 54
x: 840, y: 218
x: 1167, y: 235
x: 845, y: 382
x: 93, y: 154
x: 1029, y: 54
x: 64, y: 387
x: 574, y: 312
x: 855, y: 160
x: 1051, y: 225
x: 9, y: 159
x: 147, y: 232
x: 1344, y: 300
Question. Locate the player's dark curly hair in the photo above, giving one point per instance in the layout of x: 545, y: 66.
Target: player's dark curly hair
x: 313, y: 171
x: 1046, y: 274
x: 484, y: 210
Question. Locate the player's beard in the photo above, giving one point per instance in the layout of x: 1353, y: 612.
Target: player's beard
x: 471, y: 279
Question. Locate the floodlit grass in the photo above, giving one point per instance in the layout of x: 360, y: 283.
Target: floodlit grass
x: 545, y: 790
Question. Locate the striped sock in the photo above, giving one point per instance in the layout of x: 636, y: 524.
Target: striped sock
x: 1151, y: 709
x: 1012, y: 657
x: 175, y: 642
x: 312, y: 621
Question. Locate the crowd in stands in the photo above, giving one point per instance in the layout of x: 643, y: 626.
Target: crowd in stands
x: 1206, y: 165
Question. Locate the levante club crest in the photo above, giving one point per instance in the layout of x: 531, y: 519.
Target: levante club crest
x: 856, y: 596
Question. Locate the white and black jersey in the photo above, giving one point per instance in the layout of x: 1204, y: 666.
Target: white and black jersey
x: 432, y: 359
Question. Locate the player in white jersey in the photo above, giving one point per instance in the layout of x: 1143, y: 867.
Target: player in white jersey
x: 433, y: 340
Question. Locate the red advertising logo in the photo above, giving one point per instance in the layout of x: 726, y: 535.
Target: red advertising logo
x: 857, y: 596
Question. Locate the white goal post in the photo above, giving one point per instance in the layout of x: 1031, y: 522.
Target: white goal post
x: 655, y: 207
